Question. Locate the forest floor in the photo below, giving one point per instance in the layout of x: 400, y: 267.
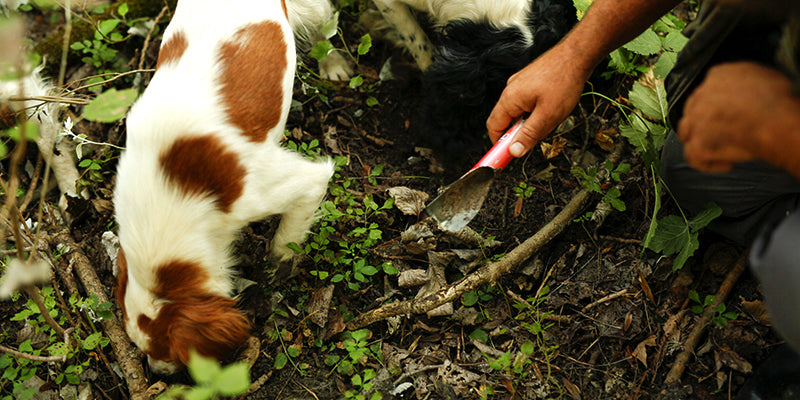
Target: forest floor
x: 589, y: 315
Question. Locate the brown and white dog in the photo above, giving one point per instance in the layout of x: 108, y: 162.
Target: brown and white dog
x: 202, y: 160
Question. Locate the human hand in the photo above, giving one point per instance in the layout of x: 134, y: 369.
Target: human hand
x: 741, y: 112
x: 548, y: 89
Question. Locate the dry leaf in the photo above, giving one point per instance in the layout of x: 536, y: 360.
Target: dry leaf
x: 672, y: 331
x: 729, y: 358
x: 330, y: 140
x: 758, y: 310
x: 553, y: 150
x: 518, y: 207
x: 573, y: 389
x: 645, y: 286
x: 319, y: 304
x: 640, y: 352
x: 408, y: 201
x: 412, y: 277
x: 545, y: 174
x: 605, y: 138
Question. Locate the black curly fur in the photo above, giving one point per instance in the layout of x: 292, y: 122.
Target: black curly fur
x: 473, y: 61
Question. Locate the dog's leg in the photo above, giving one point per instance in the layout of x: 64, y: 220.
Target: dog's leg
x: 307, y: 18
x: 411, y: 35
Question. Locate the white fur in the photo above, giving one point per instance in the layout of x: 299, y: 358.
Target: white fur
x: 498, y: 13
x: 158, y: 223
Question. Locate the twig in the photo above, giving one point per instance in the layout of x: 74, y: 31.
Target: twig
x: 62, y: 358
x: 125, y: 354
x: 612, y: 296
x: 725, y: 288
x: 488, y: 273
x: 34, y: 182
x: 150, y: 35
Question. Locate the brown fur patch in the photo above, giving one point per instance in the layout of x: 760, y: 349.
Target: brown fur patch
x: 285, y: 11
x: 203, y: 165
x: 172, y: 49
x: 122, y: 281
x: 193, y: 319
x: 254, y: 63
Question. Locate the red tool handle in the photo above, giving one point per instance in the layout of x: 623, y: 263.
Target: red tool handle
x: 498, y: 156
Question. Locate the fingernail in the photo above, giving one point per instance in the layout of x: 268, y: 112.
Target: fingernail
x: 517, y: 149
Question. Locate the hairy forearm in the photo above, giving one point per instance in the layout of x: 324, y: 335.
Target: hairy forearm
x: 608, y: 24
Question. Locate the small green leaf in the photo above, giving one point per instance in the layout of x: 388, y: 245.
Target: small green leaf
x: 123, y: 9
x: 110, y: 106
x: 233, y: 380
x: 651, y: 101
x: 202, y: 369
x: 364, y: 45
x: 321, y: 50
x: 646, y: 44
x: 479, y: 334
x: 356, y: 81
x: 329, y: 29
x: 372, y: 101
x: 469, y: 299
x: 527, y: 347
x: 280, y: 361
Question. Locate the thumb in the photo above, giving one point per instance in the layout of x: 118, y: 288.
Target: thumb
x: 531, y: 132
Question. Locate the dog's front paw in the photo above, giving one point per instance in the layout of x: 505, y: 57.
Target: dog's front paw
x: 335, y: 67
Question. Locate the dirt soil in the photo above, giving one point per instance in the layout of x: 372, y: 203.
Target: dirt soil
x: 610, y: 318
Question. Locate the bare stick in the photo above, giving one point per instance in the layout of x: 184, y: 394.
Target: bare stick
x: 123, y: 350
x: 679, y: 365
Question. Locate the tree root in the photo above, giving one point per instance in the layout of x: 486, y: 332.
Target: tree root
x: 488, y: 273
x: 725, y: 288
x: 125, y: 353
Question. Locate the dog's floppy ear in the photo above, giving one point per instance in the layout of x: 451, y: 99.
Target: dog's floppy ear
x: 213, y: 326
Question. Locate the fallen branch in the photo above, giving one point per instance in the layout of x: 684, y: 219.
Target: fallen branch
x: 488, y: 273
x: 679, y: 365
x: 125, y: 353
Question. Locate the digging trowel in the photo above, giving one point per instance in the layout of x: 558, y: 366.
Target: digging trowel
x: 461, y: 201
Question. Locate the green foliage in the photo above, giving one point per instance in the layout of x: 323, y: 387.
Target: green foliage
x: 312, y: 82
x: 677, y: 235
x: 664, y: 39
x: 212, y: 380
x: 523, y: 191
x: 346, y: 232
x: 590, y: 179
x: 111, y: 105
x: 17, y: 370
x: 720, y: 317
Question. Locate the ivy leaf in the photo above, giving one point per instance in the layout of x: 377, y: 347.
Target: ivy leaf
x: 111, y: 105
x: 321, y: 50
x: 105, y: 27
x: 646, y: 44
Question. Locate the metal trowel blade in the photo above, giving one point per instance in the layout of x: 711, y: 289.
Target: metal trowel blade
x: 454, y: 208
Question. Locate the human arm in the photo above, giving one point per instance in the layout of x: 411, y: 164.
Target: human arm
x: 742, y: 111
x: 549, y: 87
